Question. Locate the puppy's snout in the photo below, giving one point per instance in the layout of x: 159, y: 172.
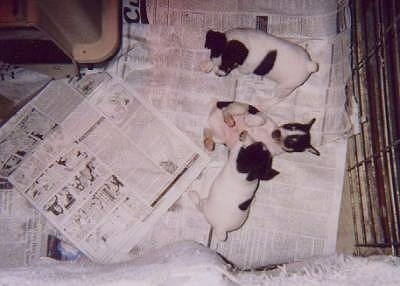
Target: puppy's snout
x: 220, y: 73
x: 276, y: 134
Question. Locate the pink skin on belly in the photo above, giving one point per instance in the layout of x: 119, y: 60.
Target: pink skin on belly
x: 226, y: 130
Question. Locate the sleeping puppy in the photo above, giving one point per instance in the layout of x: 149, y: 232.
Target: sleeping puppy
x: 252, y: 51
x: 228, y: 119
x: 228, y: 203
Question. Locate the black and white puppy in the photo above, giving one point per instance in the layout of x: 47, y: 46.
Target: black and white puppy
x: 228, y: 119
x: 252, y: 51
x: 227, y: 205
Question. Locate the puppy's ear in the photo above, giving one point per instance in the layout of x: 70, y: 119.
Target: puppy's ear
x: 269, y: 174
x: 235, y: 52
x: 265, y: 176
x: 313, y: 150
x: 209, y: 38
x: 216, y: 42
x: 309, y: 124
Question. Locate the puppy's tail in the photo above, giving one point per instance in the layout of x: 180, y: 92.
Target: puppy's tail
x: 312, y: 66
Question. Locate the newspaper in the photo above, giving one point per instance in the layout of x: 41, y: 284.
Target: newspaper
x: 295, y: 215
x: 304, y: 18
x: 23, y: 230
x: 103, y: 165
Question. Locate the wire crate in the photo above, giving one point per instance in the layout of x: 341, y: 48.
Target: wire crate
x: 373, y: 161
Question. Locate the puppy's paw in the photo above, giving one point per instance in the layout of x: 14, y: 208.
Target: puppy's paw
x: 220, y: 234
x: 253, y: 120
x: 243, y: 135
x: 229, y: 120
x: 206, y: 66
x: 209, y: 144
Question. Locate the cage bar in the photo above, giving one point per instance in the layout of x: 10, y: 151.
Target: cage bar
x: 373, y: 158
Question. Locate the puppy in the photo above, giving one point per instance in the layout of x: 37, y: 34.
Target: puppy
x: 228, y: 119
x: 228, y: 203
x: 253, y: 51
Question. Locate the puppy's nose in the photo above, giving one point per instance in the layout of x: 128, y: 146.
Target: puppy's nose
x: 276, y: 134
x: 220, y: 73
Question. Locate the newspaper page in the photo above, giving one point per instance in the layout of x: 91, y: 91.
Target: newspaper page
x: 295, y: 215
x: 107, y: 165
x: 304, y: 18
x: 23, y: 230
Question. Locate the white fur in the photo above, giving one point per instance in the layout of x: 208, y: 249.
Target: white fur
x: 259, y: 126
x: 228, y: 191
x: 292, y: 66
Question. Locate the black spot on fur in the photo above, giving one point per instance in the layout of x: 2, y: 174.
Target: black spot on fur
x: 216, y: 42
x: 267, y: 64
x: 233, y: 56
x: 223, y: 104
x: 256, y: 161
x: 297, y: 126
x: 299, y: 142
x: 253, y: 110
x: 246, y: 204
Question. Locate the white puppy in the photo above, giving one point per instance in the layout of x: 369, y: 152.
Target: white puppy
x: 254, y: 51
x: 228, y: 119
x: 228, y: 203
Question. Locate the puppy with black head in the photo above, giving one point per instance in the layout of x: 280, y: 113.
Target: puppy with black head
x: 252, y: 51
x: 227, y: 205
x: 228, y: 119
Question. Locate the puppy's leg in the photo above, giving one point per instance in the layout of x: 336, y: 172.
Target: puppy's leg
x: 207, y: 66
x: 238, y: 108
x: 254, y: 120
x: 220, y: 234
x: 245, y: 138
x: 208, y: 140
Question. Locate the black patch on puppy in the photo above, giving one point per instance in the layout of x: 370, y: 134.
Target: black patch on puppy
x: 267, y: 63
x: 300, y: 140
x: 223, y: 104
x: 233, y: 56
x: 246, y: 204
x: 256, y: 161
x: 297, y: 143
x: 253, y: 110
x: 216, y: 42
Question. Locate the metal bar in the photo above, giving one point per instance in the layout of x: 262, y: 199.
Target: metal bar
x: 392, y: 127
x: 362, y: 182
x: 374, y: 161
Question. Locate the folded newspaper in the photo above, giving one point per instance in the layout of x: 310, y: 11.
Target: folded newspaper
x: 98, y: 162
